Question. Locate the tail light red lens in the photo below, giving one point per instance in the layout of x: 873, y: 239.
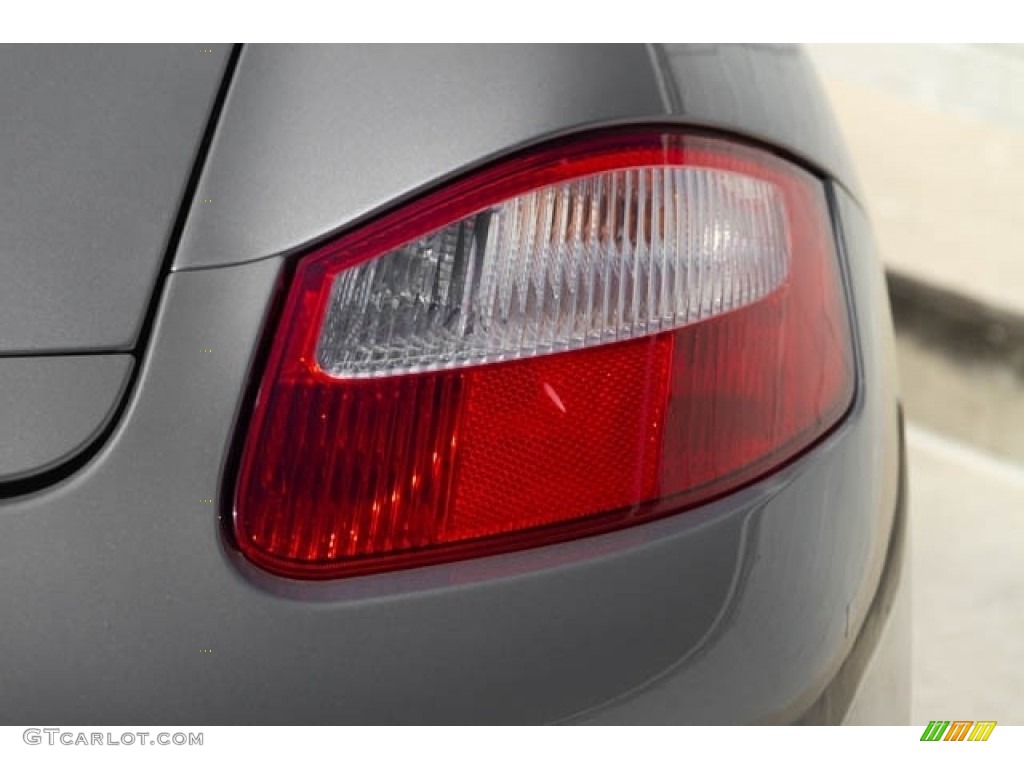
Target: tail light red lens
x: 586, y: 336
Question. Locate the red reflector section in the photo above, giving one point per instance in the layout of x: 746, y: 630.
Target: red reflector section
x: 349, y: 475
x: 553, y: 439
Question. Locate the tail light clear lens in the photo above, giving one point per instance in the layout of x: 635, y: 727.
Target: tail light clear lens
x: 583, y: 337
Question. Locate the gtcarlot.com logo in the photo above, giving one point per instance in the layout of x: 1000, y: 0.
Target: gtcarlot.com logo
x: 55, y: 736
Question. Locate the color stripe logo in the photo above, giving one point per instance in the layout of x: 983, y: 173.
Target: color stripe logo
x: 958, y: 730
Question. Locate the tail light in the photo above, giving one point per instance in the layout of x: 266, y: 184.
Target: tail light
x: 586, y: 336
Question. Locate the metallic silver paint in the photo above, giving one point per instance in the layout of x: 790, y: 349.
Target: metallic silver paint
x: 129, y: 577
x: 883, y: 696
x: 816, y: 556
x: 96, y: 144
x: 53, y: 407
x: 768, y: 92
x: 314, y: 137
x: 113, y: 579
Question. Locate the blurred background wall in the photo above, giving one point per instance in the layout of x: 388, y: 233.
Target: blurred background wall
x: 937, y: 133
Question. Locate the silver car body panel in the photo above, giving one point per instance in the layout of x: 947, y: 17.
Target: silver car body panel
x: 127, y: 600
x: 56, y: 406
x: 96, y: 146
x: 314, y: 139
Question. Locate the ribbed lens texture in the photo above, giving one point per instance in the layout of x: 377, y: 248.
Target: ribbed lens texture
x: 382, y: 475
x: 391, y: 449
x: 578, y: 339
x: 605, y: 258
